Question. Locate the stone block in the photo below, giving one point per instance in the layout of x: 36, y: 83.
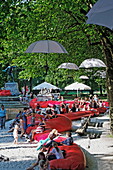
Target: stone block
x: 13, y: 87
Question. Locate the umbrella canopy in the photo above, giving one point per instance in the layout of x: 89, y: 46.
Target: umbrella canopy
x: 69, y: 66
x: 45, y: 85
x: 46, y: 46
x: 101, y: 14
x: 84, y: 77
x: 93, y: 62
x: 77, y: 86
x: 101, y: 74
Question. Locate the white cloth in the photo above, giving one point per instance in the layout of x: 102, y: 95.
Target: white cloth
x: 58, y: 155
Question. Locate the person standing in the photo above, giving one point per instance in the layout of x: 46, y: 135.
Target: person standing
x: 2, y: 116
x: 24, y: 118
x: 15, y: 134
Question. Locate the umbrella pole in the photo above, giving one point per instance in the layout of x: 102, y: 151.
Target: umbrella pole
x: 77, y: 92
x: 46, y: 66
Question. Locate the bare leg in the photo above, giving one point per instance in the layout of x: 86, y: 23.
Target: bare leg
x: 16, y: 140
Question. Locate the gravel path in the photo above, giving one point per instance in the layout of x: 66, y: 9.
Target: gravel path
x: 99, y: 156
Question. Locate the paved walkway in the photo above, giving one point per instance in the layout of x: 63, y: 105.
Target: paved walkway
x: 99, y: 155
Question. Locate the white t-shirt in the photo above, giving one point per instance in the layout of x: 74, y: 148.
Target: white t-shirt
x: 58, y: 155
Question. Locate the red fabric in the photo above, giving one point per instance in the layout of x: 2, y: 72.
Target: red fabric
x: 105, y: 104
x: 61, y: 123
x: 37, y: 116
x: 74, y: 160
x: 87, y: 113
x: 29, y: 129
x: 5, y: 93
x: 42, y: 136
x: 102, y: 109
x: 33, y: 103
x: 79, y: 114
x: 29, y: 119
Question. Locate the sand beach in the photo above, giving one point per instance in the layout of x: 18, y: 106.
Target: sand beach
x: 99, y: 155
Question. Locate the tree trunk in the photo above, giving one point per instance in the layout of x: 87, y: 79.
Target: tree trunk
x: 109, y: 71
x: 24, y: 88
x: 30, y: 84
x: 101, y: 90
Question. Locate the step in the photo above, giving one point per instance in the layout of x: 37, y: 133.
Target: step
x: 12, y: 105
x: 12, y: 112
x: 9, y: 102
x: 9, y: 98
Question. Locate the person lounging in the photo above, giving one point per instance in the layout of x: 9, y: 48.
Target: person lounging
x: 69, y: 140
x: 56, y: 152
x: 48, y: 141
x: 42, y: 163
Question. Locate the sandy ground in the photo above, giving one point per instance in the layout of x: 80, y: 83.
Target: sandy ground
x: 99, y: 156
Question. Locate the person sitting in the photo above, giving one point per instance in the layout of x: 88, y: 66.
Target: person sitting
x: 39, y: 129
x: 47, y: 117
x: 93, y: 104
x: 69, y: 140
x: 67, y: 108
x: 48, y: 141
x: 18, y: 115
x: 49, y: 110
x: 56, y: 108
x: 73, y: 109
x: 39, y: 163
x: 33, y: 119
x: 56, y: 152
x: 44, y: 165
x: 62, y: 109
x: 54, y: 115
x: 38, y: 108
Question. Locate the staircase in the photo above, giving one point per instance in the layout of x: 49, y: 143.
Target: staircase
x: 12, y: 105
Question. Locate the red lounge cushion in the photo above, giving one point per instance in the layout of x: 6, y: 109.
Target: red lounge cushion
x: 61, y: 123
x: 74, y: 160
x: 79, y: 114
x: 5, y: 93
x: 42, y: 136
x: 102, y: 109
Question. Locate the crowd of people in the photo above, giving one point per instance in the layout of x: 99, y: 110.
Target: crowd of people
x: 20, y: 125
x: 80, y: 104
x: 49, y: 113
x: 47, y: 154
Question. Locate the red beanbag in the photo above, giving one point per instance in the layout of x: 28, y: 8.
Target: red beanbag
x: 61, y: 123
x: 74, y: 159
x: 102, y: 109
x: 5, y: 93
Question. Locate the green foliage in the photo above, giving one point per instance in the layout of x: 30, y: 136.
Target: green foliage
x: 24, y: 22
